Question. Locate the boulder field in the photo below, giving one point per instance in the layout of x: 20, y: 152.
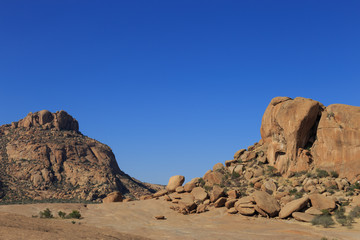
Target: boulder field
x: 307, y: 163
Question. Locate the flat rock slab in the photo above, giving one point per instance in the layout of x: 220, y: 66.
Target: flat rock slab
x: 293, y: 206
x: 303, y: 217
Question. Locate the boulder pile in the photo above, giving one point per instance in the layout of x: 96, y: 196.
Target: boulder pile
x: 307, y: 162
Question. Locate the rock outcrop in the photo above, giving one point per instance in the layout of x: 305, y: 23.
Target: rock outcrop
x: 301, y: 134
x: 337, y: 147
x: 44, y: 156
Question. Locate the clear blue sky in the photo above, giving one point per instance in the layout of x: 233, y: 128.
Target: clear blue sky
x: 174, y: 87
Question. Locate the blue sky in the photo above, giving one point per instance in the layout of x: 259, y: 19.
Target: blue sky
x: 174, y: 87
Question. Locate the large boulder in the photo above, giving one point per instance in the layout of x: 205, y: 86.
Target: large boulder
x: 213, y: 177
x: 293, y: 206
x: 337, y: 147
x: 287, y: 126
x: 174, y: 182
x: 199, y: 194
x: 113, y: 197
x: 321, y: 202
x: 267, y: 203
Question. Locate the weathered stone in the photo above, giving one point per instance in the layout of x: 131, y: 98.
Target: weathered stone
x: 174, y: 182
x: 313, y: 211
x: 230, y: 203
x: 356, y: 201
x: 232, y: 211
x: 321, y: 202
x: 160, y: 217
x: 201, y: 208
x: 113, y: 197
x: 220, y: 202
x: 180, y: 189
x: 337, y: 147
x: 284, y: 139
x: 199, y: 194
x: 269, y: 186
x: 266, y: 202
x: 233, y: 194
x: 216, y: 193
x: 303, y: 217
x: 293, y: 206
x: 212, y: 178
x: 218, y: 166
x: 246, y: 211
x: 188, y: 187
x: 238, y: 154
x: 160, y: 193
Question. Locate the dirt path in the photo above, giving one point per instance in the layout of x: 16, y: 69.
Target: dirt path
x: 138, y: 218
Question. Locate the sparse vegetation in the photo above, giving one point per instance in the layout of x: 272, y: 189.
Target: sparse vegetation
x: 74, y: 214
x: 334, y: 174
x: 61, y: 214
x: 46, y: 214
x: 321, y: 173
x: 324, y: 219
x: 342, y: 219
x: 201, y: 182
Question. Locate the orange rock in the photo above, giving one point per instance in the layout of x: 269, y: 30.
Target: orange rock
x: 337, y: 147
x: 287, y: 126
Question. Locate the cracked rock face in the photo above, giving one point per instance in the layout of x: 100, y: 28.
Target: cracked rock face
x: 44, y: 156
x: 337, y: 147
x: 299, y: 134
x: 287, y: 126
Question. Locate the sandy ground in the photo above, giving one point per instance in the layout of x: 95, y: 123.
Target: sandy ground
x: 116, y: 220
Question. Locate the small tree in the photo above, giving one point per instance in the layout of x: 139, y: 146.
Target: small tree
x: 46, y: 214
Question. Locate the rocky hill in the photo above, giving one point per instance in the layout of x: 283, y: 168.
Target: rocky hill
x: 306, y: 166
x: 44, y: 156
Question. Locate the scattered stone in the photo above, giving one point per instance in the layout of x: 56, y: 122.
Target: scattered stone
x: 145, y: 197
x: 201, y: 208
x: 232, y: 211
x: 261, y: 212
x: 160, y: 217
x: 188, y: 187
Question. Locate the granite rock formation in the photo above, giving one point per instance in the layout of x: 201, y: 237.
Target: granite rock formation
x: 44, y: 156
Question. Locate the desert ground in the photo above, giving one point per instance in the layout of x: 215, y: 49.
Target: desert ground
x: 135, y: 220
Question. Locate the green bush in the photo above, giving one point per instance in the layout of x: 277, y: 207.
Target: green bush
x: 341, y: 218
x: 322, y: 173
x: 74, y: 214
x: 235, y: 175
x: 62, y: 214
x: 355, y: 212
x: 334, y: 174
x: 201, y: 182
x: 324, y: 219
x: 46, y: 214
